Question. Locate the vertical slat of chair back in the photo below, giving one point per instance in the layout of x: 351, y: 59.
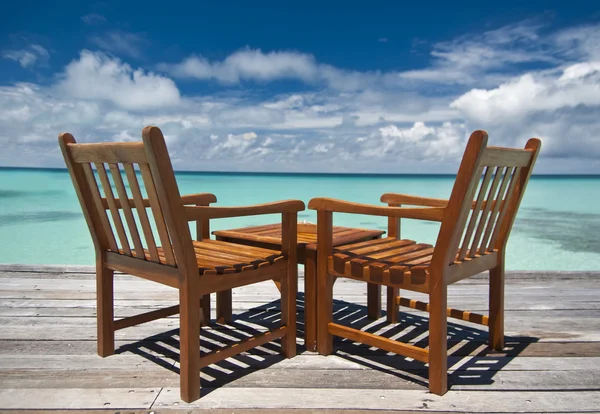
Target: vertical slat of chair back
x: 510, y: 207
x: 107, y: 206
x: 463, y: 193
x: 167, y: 192
x: 491, y: 202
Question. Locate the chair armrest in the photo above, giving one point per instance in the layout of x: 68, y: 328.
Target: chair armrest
x: 391, y: 198
x: 204, y: 212
x: 199, y: 199
x: 340, y: 206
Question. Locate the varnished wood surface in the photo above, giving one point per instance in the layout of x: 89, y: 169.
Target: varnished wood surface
x: 270, y: 234
x: 196, y: 268
x: 550, y: 363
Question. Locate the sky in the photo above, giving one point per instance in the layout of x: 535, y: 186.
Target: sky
x: 327, y: 86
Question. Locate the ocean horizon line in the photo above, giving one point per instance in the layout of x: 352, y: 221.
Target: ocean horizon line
x: 315, y: 174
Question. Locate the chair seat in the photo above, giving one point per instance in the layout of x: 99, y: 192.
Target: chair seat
x: 219, y: 257
x: 388, y: 261
x: 402, y: 263
x: 215, y: 256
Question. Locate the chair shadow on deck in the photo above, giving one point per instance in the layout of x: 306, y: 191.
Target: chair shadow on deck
x: 471, y: 361
x: 163, y: 348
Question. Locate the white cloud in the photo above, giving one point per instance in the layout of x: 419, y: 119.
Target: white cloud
x: 95, y: 76
x: 366, y: 121
x: 31, y: 56
x: 255, y: 65
x: 517, y: 99
x: 122, y: 43
x: 93, y: 18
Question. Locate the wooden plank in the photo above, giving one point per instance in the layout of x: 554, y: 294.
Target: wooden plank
x: 105, y: 152
x: 497, y: 204
x: 45, y: 398
x: 379, y: 342
x: 156, y: 208
x: 105, y: 224
x: 114, y: 211
x: 475, y: 214
x: 131, y: 225
x: 485, y: 213
x: 506, y: 157
x: 463, y: 401
x: 518, y: 355
x: 140, y: 208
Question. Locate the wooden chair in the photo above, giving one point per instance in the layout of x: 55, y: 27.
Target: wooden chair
x: 475, y: 225
x: 197, y: 268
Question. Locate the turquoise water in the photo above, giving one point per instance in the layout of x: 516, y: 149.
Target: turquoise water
x: 558, y: 226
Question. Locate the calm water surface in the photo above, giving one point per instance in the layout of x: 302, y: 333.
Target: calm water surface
x: 557, y: 228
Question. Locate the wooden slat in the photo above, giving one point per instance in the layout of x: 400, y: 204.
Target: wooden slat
x: 486, y: 211
x: 386, y: 344
x: 211, y: 282
x: 145, y: 317
x: 244, y: 250
x: 375, y: 248
x: 228, y: 256
x: 114, y: 211
x: 158, y: 214
x: 471, y: 267
x: 506, y: 157
x: 89, y: 175
x: 422, y: 250
x: 407, y: 247
x: 138, y: 200
x: 340, y: 206
x: 452, y: 313
x: 164, y: 274
x: 505, y: 205
x: 365, y: 243
x: 242, y: 346
x: 105, y: 152
x: 497, y: 204
x: 475, y: 213
x: 122, y: 193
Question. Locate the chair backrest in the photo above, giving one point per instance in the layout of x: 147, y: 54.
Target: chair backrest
x: 110, y: 213
x: 481, y: 210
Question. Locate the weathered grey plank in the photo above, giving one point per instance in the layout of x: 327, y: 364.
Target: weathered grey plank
x: 47, y: 348
x: 307, y: 361
x: 66, y: 398
x: 457, y: 401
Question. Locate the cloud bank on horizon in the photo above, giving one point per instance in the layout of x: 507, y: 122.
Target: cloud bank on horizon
x: 515, y: 81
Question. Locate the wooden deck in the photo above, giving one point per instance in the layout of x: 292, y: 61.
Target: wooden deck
x: 48, y: 358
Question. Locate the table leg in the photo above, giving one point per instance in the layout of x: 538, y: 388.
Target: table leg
x: 205, y: 306
x: 224, y: 307
x: 310, y: 300
x: 373, y: 300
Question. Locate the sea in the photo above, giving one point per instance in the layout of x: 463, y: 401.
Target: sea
x: 557, y: 227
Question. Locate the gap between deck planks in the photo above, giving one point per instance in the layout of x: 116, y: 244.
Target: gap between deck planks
x: 58, y: 370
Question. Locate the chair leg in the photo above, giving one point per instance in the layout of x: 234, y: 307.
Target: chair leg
x: 373, y: 301
x: 392, y: 307
x: 496, y: 321
x: 324, y: 313
x: 205, y: 306
x: 438, y: 340
x: 224, y: 306
x: 189, y: 350
x: 289, y: 289
x: 105, y: 310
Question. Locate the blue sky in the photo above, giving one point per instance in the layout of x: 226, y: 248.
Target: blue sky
x: 310, y: 86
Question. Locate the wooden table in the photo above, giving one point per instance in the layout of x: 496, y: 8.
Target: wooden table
x: 269, y: 236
